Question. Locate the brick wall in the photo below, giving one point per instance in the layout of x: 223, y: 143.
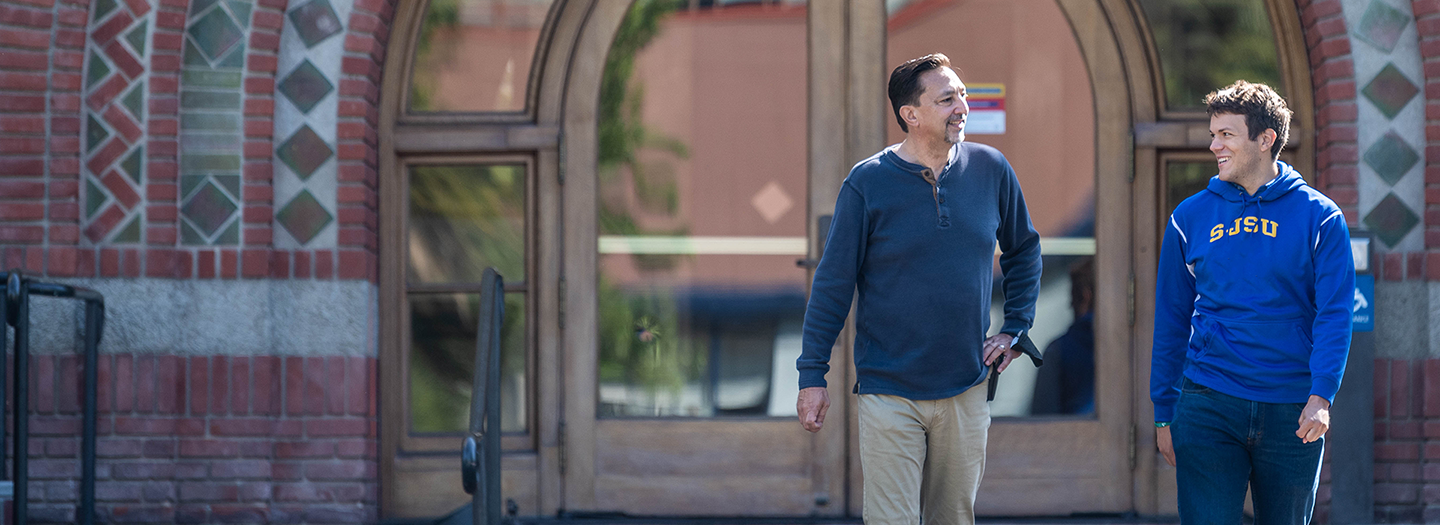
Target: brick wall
x: 186, y: 438
x: 210, y: 439
x: 1407, y: 440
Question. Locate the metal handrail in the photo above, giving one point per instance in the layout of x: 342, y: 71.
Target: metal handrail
x: 480, y: 452
x: 15, y: 311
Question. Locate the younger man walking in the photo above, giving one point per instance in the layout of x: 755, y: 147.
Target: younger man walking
x: 1252, y: 323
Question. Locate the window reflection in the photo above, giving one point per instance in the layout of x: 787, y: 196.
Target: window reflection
x: 475, y: 55
x: 702, y: 212
x: 1208, y: 44
x: 442, y: 362
x: 464, y: 219
x: 1185, y: 178
x: 1032, y: 80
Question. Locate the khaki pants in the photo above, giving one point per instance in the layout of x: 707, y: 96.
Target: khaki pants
x: 923, y: 460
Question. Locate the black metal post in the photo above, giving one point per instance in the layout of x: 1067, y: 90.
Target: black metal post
x: 22, y: 399
x: 480, y: 453
x: 94, y: 317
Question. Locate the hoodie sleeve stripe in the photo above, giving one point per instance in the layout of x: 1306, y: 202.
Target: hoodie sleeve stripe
x: 1183, y: 239
x: 1332, y: 216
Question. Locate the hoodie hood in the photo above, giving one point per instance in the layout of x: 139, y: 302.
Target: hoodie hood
x: 1288, y: 180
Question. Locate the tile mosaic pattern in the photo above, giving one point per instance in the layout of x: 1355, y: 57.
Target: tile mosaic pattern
x: 1381, y: 26
x: 1391, y: 158
x: 1387, y: 60
x: 211, y: 133
x: 306, y: 116
x: 1390, y: 91
x: 116, y: 56
x: 1391, y: 220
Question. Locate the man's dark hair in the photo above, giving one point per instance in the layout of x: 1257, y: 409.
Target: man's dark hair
x: 1261, y: 106
x: 905, y: 82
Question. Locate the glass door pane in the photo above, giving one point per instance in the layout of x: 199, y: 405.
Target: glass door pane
x: 702, y: 210
x: 1030, y: 97
x: 475, y: 55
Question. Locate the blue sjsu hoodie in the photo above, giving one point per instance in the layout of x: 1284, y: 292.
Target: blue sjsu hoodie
x: 1254, y: 295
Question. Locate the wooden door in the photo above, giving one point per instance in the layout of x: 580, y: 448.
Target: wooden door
x: 683, y: 296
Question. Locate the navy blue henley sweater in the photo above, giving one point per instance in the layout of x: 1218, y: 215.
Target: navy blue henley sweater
x: 919, y: 254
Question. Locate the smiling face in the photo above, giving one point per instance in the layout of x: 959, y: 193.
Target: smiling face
x: 1239, y: 158
x: 940, y: 110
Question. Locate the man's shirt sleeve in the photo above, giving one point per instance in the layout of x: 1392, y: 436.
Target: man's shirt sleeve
x: 1019, y: 257
x: 834, y: 286
x: 1334, y: 302
x: 1174, y: 305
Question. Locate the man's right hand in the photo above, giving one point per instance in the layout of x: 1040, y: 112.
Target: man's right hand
x: 811, y: 407
x: 1162, y: 441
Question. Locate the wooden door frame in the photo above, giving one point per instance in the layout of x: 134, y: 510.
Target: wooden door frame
x: 534, y: 133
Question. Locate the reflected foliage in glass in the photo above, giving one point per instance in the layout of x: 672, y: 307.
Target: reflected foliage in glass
x: 464, y: 219
x: 624, y: 136
x: 1183, y: 179
x: 475, y: 55
x: 686, y: 349
x: 1208, y: 44
x: 442, y: 362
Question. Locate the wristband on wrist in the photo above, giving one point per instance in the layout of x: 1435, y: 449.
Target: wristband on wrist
x: 1162, y: 424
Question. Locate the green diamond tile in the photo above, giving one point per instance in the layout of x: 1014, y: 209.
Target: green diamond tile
x: 242, y: 11
x: 94, y: 198
x: 1390, y: 91
x: 231, y: 183
x: 231, y: 235
x: 303, y: 217
x: 137, y: 39
x: 1391, y: 158
x: 236, y: 58
x: 188, y: 183
x: 95, y: 134
x: 208, y: 209
x: 199, y: 6
x: 135, y: 101
x: 1391, y: 220
x: 306, y: 86
x: 97, y: 71
x: 315, y: 22
x: 304, y: 152
x: 130, y: 233
x: 1381, y: 25
x: 189, y: 235
x: 102, y: 8
x: 215, y: 33
x: 134, y: 164
x: 193, y: 56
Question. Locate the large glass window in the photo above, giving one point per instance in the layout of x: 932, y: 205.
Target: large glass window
x: 1030, y: 97
x: 1204, y: 45
x: 702, y: 210
x: 475, y: 55
x: 463, y: 219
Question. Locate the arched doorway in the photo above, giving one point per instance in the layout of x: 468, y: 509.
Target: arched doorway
x: 586, y: 434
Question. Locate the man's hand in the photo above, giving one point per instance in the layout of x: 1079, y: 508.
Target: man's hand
x: 1314, y: 420
x: 1167, y: 447
x: 999, y: 344
x: 811, y: 407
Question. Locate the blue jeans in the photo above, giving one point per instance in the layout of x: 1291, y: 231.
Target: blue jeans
x: 1222, y: 443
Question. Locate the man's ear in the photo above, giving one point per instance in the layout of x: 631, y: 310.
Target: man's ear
x: 1268, y: 138
x: 907, y: 113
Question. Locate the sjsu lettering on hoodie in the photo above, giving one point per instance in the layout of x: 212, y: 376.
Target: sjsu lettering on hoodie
x: 1246, y: 225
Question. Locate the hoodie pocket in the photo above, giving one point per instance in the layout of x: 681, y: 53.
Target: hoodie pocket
x: 1278, y: 347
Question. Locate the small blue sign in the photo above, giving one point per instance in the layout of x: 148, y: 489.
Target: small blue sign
x: 1363, y: 312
